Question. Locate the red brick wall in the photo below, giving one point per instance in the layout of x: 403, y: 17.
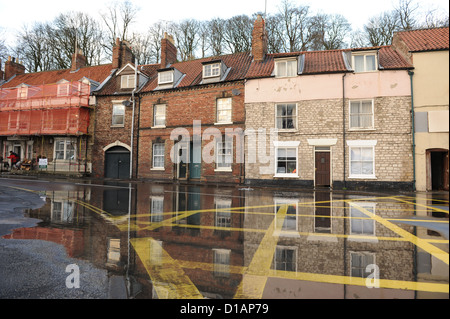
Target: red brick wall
x: 183, y: 106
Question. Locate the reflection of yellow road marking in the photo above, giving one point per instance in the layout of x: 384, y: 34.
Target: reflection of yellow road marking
x: 428, y: 207
x: 325, y: 278
x: 254, y: 280
x: 433, y: 250
x: 168, y: 278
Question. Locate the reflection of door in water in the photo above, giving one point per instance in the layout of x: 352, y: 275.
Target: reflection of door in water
x: 322, y: 169
x: 195, y: 161
x: 117, y: 162
x: 322, y: 212
x: 116, y: 201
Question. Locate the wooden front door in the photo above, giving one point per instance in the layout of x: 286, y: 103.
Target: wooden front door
x: 322, y: 167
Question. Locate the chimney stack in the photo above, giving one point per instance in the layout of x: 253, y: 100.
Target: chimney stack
x: 13, y: 68
x: 122, y: 54
x: 78, y: 60
x: 259, y: 39
x: 168, y: 51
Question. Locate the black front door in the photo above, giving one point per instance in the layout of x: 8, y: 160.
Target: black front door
x: 117, y: 163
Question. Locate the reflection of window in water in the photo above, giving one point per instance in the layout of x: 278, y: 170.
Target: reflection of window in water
x: 358, y: 263
x: 222, y: 262
x: 156, y: 209
x: 223, y: 218
x: 360, y: 223
x: 62, y: 211
x: 113, y: 250
x: 285, y: 258
x: 290, y: 220
x: 156, y: 252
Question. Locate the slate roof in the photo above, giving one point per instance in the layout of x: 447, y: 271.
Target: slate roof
x: 426, y: 39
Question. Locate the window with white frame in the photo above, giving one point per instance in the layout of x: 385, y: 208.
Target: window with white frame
x: 285, y: 258
x: 361, y: 114
x: 224, y: 110
x: 224, y: 154
x: 127, y: 81
x: 211, y: 70
x: 362, y: 159
x: 158, y: 155
x: 360, y: 223
x: 159, y: 115
x: 65, y: 149
x: 359, y: 262
x: 118, y: 114
x: 364, y: 62
x: 165, y: 77
x: 286, y: 68
x: 286, y: 116
x: 286, y: 159
x: 156, y: 209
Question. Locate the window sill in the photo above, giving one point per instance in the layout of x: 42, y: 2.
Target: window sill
x: 117, y: 125
x: 362, y: 177
x: 158, y: 126
x: 286, y: 130
x: 224, y: 170
x: 157, y: 169
x: 223, y: 123
x: 355, y: 129
x: 286, y: 175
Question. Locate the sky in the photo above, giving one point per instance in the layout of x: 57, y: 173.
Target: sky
x: 357, y: 12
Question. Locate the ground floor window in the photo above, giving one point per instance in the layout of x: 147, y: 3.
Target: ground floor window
x: 362, y: 159
x: 224, y: 155
x: 359, y: 262
x: 158, y: 155
x: 286, y: 159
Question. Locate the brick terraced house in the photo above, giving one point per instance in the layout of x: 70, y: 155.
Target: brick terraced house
x: 49, y: 115
x: 339, y: 118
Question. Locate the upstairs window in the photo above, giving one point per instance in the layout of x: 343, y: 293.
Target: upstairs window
x: 127, y: 81
x: 364, y: 62
x: 224, y: 110
x: 159, y: 115
x: 361, y: 114
x: 165, y: 77
x: 118, y: 115
x: 286, y: 68
x: 286, y: 116
x: 211, y: 70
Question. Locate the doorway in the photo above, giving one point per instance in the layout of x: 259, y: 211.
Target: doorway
x: 437, y: 169
x: 117, y: 163
x: 322, y: 166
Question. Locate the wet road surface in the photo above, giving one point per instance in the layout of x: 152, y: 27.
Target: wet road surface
x: 95, y: 239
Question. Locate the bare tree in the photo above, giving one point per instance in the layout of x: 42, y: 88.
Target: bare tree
x: 296, y: 21
x: 274, y: 28
x: 238, y: 34
x: 328, y: 32
x: 406, y: 14
x: 117, y: 19
x: 216, y: 28
x: 380, y: 29
x: 433, y: 18
x: 186, y: 35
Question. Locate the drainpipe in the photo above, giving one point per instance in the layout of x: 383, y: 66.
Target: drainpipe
x: 413, y: 124
x: 132, y: 117
x: 343, y: 126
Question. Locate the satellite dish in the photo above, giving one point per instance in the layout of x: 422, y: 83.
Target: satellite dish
x: 126, y: 103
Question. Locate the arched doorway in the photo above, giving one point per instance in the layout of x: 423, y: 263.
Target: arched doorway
x: 117, y: 162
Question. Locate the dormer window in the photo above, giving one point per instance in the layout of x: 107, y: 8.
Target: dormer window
x: 127, y: 81
x: 63, y: 88
x: 364, y: 61
x: 286, y: 68
x: 211, y: 70
x: 22, y: 92
x: 165, y: 77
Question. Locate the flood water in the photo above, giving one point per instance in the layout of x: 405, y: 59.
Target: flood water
x: 172, y: 241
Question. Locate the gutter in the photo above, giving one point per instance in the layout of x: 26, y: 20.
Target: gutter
x: 132, y: 117
x: 343, y: 127
x: 413, y: 125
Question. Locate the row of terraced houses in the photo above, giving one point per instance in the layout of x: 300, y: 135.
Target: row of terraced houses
x: 354, y: 118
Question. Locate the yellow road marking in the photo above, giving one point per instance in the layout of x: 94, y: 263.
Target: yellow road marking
x: 254, y: 281
x: 168, y: 278
x: 433, y: 250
